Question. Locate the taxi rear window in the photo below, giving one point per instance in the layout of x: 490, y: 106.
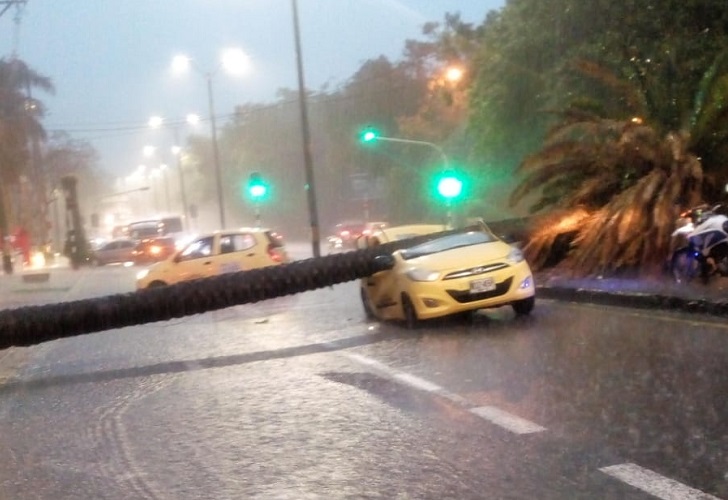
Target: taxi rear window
x: 275, y: 239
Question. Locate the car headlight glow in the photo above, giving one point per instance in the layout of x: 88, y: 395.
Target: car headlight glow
x: 419, y: 274
x: 142, y: 274
x: 515, y: 256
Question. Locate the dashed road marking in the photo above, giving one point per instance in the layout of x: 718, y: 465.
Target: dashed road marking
x: 638, y: 477
x: 496, y: 416
x: 507, y: 420
x: 653, y: 483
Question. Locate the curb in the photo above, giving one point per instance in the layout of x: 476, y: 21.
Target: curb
x: 635, y: 300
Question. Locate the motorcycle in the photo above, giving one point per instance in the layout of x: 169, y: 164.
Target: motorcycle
x: 700, y: 245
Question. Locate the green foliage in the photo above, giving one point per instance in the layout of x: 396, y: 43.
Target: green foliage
x: 20, y: 116
x: 635, y: 58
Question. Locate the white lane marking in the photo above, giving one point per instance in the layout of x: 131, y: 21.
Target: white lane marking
x: 654, y: 484
x: 507, y: 420
x: 408, y: 379
x: 418, y: 382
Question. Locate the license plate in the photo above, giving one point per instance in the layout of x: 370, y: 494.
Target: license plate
x: 482, y: 285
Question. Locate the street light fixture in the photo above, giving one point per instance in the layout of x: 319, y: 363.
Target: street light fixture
x: 454, y: 74
x: 234, y: 61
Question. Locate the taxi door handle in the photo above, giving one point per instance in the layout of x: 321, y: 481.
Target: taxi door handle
x: 207, y: 263
x: 251, y: 254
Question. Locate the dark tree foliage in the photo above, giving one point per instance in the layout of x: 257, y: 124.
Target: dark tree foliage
x: 20, y: 115
x: 618, y: 108
x: 527, y: 53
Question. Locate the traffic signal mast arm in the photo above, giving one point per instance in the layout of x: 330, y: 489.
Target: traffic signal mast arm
x: 412, y: 141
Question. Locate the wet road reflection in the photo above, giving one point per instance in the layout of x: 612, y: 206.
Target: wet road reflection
x: 300, y: 397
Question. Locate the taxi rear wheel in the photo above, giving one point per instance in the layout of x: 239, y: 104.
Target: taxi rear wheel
x: 524, y: 306
x: 410, y: 314
x: 368, y: 311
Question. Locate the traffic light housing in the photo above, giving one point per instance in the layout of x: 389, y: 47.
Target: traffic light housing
x: 257, y: 188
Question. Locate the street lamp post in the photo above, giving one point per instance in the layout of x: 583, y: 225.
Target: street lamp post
x: 177, y: 151
x: 307, y: 159
x: 215, y: 151
x: 163, y: 169
x: 236, y: 61
x: 150, y: 151
x: 157, y: 122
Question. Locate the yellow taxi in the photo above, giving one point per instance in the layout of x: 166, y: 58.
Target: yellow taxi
x: 216, y: 253
x: 456, y: 273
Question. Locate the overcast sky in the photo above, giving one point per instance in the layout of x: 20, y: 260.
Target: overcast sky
x: 110, y: 59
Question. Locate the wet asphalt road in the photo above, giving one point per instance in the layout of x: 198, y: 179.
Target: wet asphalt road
x: 300, y: 397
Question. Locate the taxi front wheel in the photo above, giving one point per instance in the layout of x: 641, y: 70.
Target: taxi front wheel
x: 524, y: 306
x: 368, y: 311
x: 410, y: 313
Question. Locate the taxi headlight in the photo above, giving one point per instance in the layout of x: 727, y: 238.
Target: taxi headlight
x: 142, y: 274
x: 419, y: 274
x: 515, y: 256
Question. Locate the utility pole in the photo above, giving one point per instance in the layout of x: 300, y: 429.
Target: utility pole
x: 5, y: 5
x: 306, y: 135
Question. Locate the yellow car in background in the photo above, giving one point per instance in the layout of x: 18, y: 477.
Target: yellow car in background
x: 217, y: 253
x: 457, y: 273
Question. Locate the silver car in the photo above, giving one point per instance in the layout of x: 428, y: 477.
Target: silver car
x: 114, y: 251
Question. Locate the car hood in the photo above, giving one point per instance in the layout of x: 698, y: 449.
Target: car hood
x: 463, y: 257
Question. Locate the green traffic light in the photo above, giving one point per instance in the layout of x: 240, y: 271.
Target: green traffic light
x: 450, y: 186
x: 257, y: 189
x: 369, y: 135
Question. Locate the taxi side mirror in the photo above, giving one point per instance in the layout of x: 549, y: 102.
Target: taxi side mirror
x: 384, y: 262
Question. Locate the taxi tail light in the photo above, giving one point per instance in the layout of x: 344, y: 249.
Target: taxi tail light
x: 274, y: 253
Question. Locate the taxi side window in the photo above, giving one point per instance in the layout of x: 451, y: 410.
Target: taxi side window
x: 197, y: 249
x: 236, y: 242
x: 226, y: 244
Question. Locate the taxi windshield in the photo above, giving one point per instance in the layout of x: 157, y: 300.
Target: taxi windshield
x: 447, y: 243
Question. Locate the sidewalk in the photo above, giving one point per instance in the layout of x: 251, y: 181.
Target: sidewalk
x: 37, y: 286
x: 643, y: 293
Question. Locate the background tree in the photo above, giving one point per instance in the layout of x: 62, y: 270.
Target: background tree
x: 64, y: 156
x: 649, y: 81
x: 20, y: 129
